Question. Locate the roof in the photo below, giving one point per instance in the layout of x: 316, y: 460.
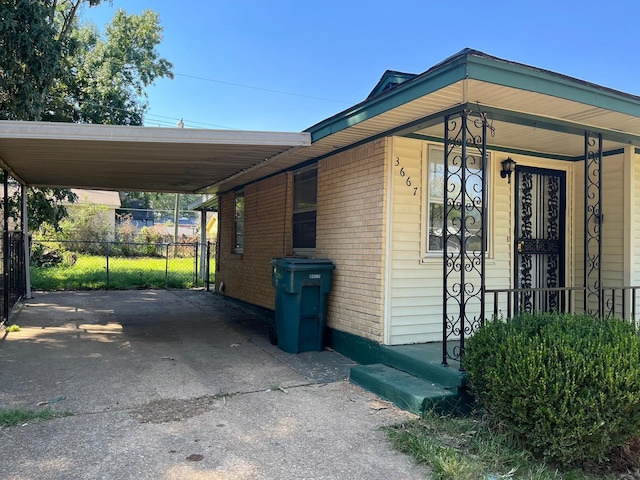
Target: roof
x: 531, y: 110
x: 127, y: 158
x: 96, y: 197
x: 390, y: 79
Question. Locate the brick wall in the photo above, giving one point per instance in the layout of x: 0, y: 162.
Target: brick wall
x: 351, y: 231
x: 267, y: 233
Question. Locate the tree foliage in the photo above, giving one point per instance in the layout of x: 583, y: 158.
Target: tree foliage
x: 54, y: 68
x: 104, y: 79
x: 29, y: 57
x: 157, y: 201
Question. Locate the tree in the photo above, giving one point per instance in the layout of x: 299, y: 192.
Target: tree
x: 33, y: 40
x: 157, y: 201
x: 104, y: 79
x: 29, y: 57
x: 55, y: 69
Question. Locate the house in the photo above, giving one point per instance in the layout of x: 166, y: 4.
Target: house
x: 477, y: 188
x: 109, y: 200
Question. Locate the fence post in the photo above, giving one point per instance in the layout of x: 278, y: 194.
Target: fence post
x: 166, y: 269
x: 107, y: 255
x: 208, y: 265
x: 195, y: 276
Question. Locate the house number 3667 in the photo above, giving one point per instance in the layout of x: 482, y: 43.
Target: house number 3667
x: 403, y: 174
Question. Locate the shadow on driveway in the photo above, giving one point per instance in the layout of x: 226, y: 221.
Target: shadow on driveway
x: 181, y: 384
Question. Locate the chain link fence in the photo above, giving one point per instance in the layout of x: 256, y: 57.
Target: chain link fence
x: 92, y: 265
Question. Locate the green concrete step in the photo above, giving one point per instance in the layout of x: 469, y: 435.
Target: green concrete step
x: 425, y: 361
x: 403, y: 389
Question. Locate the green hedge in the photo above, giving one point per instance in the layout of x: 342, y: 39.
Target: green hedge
x: 568, y: 385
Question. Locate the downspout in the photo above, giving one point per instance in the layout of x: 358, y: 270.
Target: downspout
x: 25, y: 238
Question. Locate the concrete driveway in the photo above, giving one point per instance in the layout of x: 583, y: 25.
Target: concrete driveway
x: 181, y: 385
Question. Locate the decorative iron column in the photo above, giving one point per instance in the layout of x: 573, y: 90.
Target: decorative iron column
x: 593, y: 223
x: 5, y: 248
x: 464, y: 236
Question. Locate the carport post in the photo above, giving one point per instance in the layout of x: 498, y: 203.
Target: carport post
x: 25, y: 238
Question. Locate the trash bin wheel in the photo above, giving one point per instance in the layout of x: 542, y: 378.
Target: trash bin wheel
x: 273, y: 335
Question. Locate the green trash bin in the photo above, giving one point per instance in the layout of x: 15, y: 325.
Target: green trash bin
x: 302, y: 285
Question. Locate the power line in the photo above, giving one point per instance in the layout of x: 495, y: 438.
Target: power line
x: 262, y: 89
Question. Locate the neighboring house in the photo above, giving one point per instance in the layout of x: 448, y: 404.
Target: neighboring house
x: 480, y: 186
x: 110, y: 200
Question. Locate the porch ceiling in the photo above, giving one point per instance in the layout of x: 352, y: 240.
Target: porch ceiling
x: 134, y: 158
x: 535, y: 122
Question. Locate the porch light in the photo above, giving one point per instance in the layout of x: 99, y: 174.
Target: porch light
x: 508, y: 166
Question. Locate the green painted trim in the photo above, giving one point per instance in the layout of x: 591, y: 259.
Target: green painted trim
x: 554, y: 125
x: 516, y: 151
x: 359, y: 349
x: 637, y: 150
x: 532, y: 79
x: 422, y: 85
x: 496, y: 148
x: 610, y: 153
x: 478, y: 66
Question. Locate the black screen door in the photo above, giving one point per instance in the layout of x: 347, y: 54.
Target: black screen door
x: 539, y: 237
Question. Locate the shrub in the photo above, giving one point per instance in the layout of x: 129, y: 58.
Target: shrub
x: 87, y: 228
x: 568, y: 385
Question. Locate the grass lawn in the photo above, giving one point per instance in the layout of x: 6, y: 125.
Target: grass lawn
x: 89, y: 272
x: 465, y: 448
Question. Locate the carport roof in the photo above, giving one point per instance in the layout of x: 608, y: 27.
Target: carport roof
x: 530, y: 111
x: 130, y: 158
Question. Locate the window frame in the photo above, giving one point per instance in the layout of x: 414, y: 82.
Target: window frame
x: 427, y: 199
x: 307, y: 214
x: 238, y: 222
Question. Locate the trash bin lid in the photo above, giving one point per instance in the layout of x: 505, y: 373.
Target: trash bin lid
x: 294, y: 263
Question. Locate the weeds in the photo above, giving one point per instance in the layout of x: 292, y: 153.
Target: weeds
x: 18, y: 416
x: 466, y: 448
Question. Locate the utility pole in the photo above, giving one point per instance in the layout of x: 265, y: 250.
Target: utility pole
x: 176, y: 213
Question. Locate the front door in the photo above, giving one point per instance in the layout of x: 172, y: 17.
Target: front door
x: 539, y: 238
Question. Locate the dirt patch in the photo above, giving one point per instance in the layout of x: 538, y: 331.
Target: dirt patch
x: 176, y: 410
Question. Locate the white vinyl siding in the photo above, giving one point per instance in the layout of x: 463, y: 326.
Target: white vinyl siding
x: 635, y: 222
x: 414, y: 297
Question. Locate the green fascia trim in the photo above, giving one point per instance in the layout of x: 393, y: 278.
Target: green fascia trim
x: 523, y: 77
x: 491, y: 70
x: 404, y: 93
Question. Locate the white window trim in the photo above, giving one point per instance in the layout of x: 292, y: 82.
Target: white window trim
x: 237, y: 249
x: 433, y: 256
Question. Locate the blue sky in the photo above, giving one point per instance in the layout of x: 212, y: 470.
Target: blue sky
x: 308, y: 60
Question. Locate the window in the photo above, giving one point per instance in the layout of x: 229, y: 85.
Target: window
x: 472, y: 203
x: 239, y: 222
x: 305, y: 186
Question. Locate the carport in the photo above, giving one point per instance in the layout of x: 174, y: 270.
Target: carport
x: 125, y: 158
